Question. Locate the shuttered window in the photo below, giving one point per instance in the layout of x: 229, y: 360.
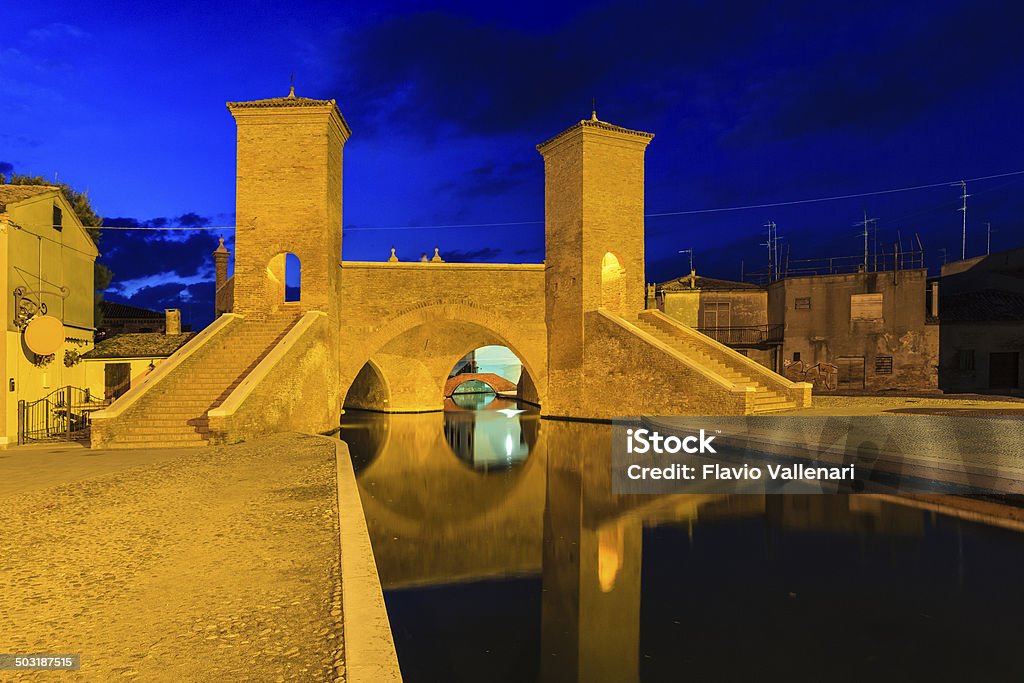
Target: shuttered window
x: 866, y: 307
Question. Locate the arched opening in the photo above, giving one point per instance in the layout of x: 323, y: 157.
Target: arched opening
x: 481, y: 375
x: 369, y: 391
x: 284, y: 273
x: 612, y: 282
x: 485, y: 424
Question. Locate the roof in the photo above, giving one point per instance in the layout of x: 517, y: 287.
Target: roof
x: 987, y: 305
x: 113, y: 310
x: 290, y: 101
x: 139, y: 345
x: 600, y: 125
x: 12, y: 194
x: 703, y: 283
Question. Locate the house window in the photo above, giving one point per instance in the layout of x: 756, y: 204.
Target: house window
x: 58, y: 218
x: 803, y: 303
x: 716, y: 314
x: 883, y: 365
x: 965, y: 359
x: 796, y: 356
x: 866, y: 307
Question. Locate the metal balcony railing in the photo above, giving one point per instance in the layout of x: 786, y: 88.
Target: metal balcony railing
x: 745, y: 335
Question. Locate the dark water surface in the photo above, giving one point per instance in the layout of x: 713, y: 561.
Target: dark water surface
x: 504, y: 556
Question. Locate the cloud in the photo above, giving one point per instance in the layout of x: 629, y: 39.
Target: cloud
x: 421, y: 72
x: 132, y: 255
x: 909, y: 63
x: 57, y: 30
x: 490, y: 179
x: 482, y: 255
x: 194, y: 299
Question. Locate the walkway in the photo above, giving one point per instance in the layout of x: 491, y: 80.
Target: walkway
x: 210, y: 564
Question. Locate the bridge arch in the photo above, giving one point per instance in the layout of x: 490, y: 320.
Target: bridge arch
x: 414, y: 352
x: 496, y: 383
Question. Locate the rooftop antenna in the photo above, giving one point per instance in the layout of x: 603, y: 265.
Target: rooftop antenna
x: 988, y: 238
x: 690, y: 252
x: 865, y: 223
x: 963, y: 209
x: 772, y: 244
x: 593, y: 109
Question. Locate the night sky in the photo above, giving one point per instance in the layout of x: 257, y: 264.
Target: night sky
x: 750, y: 104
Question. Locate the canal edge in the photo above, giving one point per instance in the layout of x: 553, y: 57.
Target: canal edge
x: 370, y: 655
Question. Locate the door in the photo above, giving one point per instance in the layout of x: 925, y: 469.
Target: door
x: 1003, y: 370
x: 117, y: 379
x: 851, y: 372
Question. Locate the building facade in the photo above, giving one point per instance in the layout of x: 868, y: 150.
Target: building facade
x: 981, y: 313
x: 47, y: 273
x: 733, y: 313
x: 857, y: 331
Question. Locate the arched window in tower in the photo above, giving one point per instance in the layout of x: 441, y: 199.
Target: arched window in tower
x: 284, y: 273
x: 292, y: 278
x: 612, y: 282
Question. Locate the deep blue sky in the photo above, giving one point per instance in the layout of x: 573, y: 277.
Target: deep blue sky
x: 750, y: 104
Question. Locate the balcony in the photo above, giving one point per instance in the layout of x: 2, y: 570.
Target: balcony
x: 746, y: 335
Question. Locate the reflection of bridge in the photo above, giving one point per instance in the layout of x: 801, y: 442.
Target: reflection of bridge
x: 498, y: 385
x: 384, y: 336
x: 555, y: 517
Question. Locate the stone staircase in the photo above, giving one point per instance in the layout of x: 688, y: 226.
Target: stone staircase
x: 765, y: 399
x: 174, y: 413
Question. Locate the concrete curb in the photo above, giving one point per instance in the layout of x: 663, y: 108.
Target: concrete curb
x: 370, y: 655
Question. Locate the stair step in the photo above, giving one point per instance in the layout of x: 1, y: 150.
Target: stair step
x: 789, y: 405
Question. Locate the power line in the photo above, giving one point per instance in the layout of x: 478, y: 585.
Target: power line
x: 833, y: 198
x: 688, y: 212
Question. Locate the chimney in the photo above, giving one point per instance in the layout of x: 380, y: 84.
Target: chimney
x: 173, y: 317
x: 935, y: 299
x: 220, y: 265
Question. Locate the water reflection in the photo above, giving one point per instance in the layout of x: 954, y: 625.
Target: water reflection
x: 493, y: 434
x: 538, y: 573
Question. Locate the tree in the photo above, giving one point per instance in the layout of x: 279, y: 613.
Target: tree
x: 89, y: 218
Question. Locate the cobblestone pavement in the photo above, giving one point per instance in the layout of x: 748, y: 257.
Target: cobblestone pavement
x: 824, y: 404
x: 220, y: 564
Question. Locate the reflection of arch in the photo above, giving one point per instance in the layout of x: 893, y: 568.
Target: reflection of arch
x: 470, y: 327
x: 612, y: 282
x: 496, y: 519
x: 369, y: 390
x: 284, y: 278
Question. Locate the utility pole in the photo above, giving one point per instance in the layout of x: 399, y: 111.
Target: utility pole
x: 963, y: 209
x: 988, y: 239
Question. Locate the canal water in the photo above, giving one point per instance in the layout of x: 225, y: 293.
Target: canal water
x: 504, y: 557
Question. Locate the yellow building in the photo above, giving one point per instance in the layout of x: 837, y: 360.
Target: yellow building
x: 48, y: 260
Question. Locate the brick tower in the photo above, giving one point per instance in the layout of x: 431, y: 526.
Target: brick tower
x: 288, y: 200
x: 594, y: 242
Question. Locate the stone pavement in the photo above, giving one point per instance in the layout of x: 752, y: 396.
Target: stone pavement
x: 824, y: 404
x: 212, y: 564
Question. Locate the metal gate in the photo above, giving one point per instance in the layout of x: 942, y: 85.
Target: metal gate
x: 62, y: 415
